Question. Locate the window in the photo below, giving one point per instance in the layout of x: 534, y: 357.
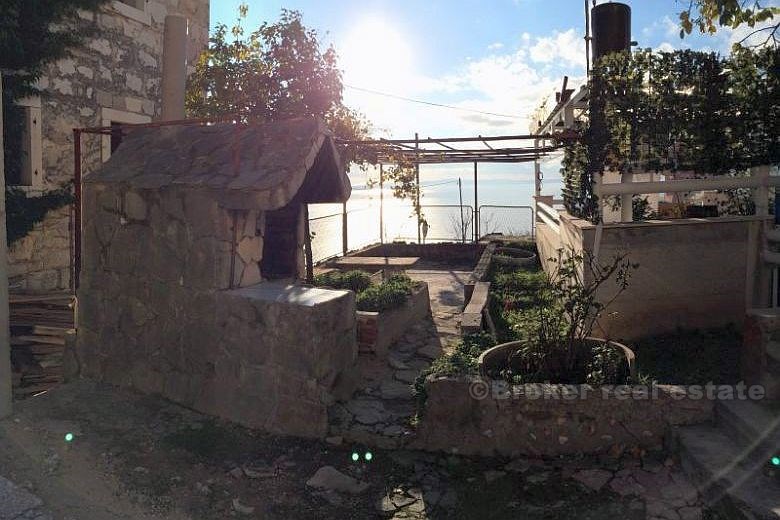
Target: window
x: 24, y: 167
x: 133, y: 9
x: 114, y: 119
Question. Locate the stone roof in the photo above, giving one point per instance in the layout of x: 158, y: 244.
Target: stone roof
x: 262, y: 166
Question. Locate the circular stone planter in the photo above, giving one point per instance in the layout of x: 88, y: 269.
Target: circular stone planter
x: 496, y: 358
x: 514, y: 257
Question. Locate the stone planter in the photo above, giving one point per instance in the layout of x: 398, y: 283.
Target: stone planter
x: 497, y: 358
x: 514, y: 257
x: 378, y: 330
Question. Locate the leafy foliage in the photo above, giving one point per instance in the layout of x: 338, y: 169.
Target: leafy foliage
x: 551, y: 316
x: 276, y: 72
x: 352, y: 280
x: 675, y: 111
x: 389, y: 294
x: 33, y: 34
x: 707, y: 15
x: 24, y: 212
x: 462, y: 361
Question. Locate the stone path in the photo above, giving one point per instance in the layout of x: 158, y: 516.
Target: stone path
x: 646, y: 488
x: 380, y: 411
x: 18, y: 503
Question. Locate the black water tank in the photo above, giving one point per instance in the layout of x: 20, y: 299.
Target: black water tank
x: 611, y: 25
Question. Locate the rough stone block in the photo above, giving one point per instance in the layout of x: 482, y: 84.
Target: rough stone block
x: 134, y: 206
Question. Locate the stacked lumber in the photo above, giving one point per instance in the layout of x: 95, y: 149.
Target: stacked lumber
x: 39, y: 324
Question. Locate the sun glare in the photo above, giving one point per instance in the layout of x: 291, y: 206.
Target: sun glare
x: 375, y: 55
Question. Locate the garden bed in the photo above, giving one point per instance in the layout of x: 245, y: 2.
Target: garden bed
x: 385, y: 309
x: 378, y: 330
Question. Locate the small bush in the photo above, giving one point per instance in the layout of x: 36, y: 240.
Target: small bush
x: 357, y: 281
x: 462, y: 361
x: 387, y: 295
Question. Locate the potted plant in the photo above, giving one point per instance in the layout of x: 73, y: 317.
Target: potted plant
x: 556, y: 340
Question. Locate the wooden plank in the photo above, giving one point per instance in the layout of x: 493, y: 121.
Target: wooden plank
x: 48, y: 340
x: 65, y: 299
x: 47, y: 330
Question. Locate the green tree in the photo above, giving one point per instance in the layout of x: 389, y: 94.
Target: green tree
x: 708, y: 15
x: 278, y: 71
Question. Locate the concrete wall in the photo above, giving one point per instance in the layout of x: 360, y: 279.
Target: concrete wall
x: 159, y: 311
x: 470, y: 417
x: 115, y: 76
x: 692, y: 272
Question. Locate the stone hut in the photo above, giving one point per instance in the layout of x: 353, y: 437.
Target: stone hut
x: 193, y: 239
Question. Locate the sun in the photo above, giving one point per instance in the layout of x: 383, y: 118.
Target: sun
x: 375, y: 55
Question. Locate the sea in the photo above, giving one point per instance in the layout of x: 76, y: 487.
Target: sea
x: 505, y: 206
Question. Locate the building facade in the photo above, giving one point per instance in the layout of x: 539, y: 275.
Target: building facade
x: 113, y: 78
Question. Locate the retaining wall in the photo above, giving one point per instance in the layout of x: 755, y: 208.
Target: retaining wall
x: 467, y: 416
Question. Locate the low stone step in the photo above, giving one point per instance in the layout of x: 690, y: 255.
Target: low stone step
x: 755, y: 425
x: 726, y: 475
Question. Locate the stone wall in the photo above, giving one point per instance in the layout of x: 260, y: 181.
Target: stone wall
x: 41, y: 261
x: 467, y: 416
x: 116, y: 74
x: 692, y: 272
x: 170, y: 303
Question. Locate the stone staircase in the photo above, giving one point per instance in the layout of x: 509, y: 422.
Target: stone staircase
x: 730, y: 460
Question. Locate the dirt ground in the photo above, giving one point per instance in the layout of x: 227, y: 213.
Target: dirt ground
x: 135, y: 456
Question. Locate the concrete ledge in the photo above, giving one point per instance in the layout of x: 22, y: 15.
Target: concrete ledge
x: 472, y: 416
x: 378, y: 330
x: 480, y: 272
x: 471, y: 319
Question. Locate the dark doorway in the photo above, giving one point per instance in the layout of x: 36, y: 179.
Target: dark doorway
x: 280, y: 243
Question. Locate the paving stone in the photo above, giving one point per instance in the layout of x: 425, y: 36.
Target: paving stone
x: 407, y: 376
x: 395, y: 390
x: 15, y: 501
x: 594, y: 479
x: 430, y: 351
x: 329, y: 478
x: 367, y: 411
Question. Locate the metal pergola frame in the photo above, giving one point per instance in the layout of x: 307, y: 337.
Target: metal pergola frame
x: 455, y: 150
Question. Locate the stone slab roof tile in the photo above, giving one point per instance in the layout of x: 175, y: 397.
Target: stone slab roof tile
x: 269, y: 161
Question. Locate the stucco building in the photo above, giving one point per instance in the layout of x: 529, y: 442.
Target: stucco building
x: 114, y: 78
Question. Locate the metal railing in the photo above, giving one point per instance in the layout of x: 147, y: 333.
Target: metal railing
x: 445, y: 223
x: 506, y: 220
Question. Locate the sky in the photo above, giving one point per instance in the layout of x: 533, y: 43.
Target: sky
x: 499, y: 56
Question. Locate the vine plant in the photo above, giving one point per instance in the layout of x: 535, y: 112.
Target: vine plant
x: 683, y: 110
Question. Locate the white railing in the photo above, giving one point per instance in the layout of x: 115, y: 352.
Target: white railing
x: 759, y: 180
x: 546, y: 214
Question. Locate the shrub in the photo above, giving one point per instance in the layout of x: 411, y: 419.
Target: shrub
x: 357, y: 281
x: 387, y: 295
x: 462, y: 361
